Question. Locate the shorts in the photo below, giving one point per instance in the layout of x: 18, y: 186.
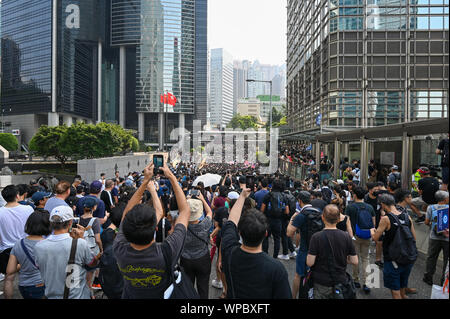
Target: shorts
x: 418, y: 202
x: 396, y: 279
x: 445, y: 174
x: 300, y: 263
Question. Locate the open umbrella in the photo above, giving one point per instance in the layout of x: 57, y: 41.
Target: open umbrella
x: 208, y: 180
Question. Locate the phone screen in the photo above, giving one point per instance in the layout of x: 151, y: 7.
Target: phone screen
x: 158, y: 161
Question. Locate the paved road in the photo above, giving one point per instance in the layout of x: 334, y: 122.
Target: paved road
x: 415, y: 281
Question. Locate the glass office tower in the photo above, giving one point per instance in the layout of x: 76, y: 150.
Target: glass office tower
x: 364, y: 63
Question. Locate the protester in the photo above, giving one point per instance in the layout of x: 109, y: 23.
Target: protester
x: 275, y: 208
x: 106, y: 195
x: 342, y: 250
x: 195, y: 257
x: 31, y: 285
x: 442, y: 150
x: 308, y: 221
x: 40, y: 199
x: 62, y: 192
x: 140, y: 259
x: 428, y: 186
x: 438, y: 241
x: 250, y: 273
x: 13, y: 217
x: 396, y: 271
x: 94, y: 192
x: 52, y: 256
x: 362, y: 218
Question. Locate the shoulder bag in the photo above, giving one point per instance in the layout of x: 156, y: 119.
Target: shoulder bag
x: 73, y: 250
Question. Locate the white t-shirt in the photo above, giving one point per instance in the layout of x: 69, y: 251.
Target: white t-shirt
x: 12, y: 224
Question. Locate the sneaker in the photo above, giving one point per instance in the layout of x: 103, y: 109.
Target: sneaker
x: 293, y: 254
x: 283, y: 257
x: 420, y: 220
x: 96, y: 286
x: 217, y: 284
x: 428, y: 280
x: 357, y: 285
x: 2, y: 277
x: 366, y: 289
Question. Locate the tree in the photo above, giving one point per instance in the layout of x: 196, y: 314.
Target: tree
x: 81, y: 141
x: 9, y: 142
x: 243, y: 122
x: 47, y: 140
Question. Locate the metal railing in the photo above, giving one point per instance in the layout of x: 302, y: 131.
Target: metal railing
x: 293, y: 170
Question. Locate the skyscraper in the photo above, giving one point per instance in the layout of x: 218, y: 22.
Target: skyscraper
x: 221, y: 87
x: 358, y: 63
x: 104, y: 60
x: 240, y: 76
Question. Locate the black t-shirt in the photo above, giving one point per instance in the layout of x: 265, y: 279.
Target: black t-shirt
x: 251, y: 276
x: 323, y: 167
x: 444, y: 147
x: 342, y: 246
x: 429, y: 186
x: 319, y: 204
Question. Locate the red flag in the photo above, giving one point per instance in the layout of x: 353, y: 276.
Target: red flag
x: 172, y: 99
x: 162, y: 99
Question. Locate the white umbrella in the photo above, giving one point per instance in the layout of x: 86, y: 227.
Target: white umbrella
x: 208, y: 180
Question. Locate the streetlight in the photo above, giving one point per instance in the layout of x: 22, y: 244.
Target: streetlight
x: 250, y: 80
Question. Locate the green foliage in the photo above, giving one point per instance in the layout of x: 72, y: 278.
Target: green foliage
x: 46, y: 142
x: 243, y: 122
x: 9, y: 142
x: 81, y: 141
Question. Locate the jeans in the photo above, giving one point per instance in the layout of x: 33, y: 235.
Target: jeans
x: 198, y: 271
x: 362, y: 250
x: 275, y: 229
x: 32, y: 292
x: 434, y: 249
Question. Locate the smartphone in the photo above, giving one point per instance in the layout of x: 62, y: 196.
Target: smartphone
x: 158, y: 162
x: 194, y: 192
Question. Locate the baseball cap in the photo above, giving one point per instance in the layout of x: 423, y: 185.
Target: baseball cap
x: 40, y: 196
x: 96, y: 186
x: 196, y: 207
x: 63, y: 212
x: 89, y: 202
x: 340, y: 181
x: 394, y: 167
x: 424, y: 170
x: 233, y: 195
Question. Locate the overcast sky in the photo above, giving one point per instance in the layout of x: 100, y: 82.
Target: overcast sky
x: 249, y: 29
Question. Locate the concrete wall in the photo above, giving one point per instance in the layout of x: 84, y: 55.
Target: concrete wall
x: 91, y: 169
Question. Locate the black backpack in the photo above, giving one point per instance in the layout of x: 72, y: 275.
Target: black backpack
x: 277, y: 205
x: 445, y: 153
x: 314, y: 222
x: 403, y: 248
x: 292, y: 203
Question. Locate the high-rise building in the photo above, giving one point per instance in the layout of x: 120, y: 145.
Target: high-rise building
x: 240, y: 76
x: 104, y: 60
x: 355, y: 63
x: 221, y: 88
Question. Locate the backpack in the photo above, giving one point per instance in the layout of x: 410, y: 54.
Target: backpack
x: 314, y: 222
x: 292, y: 203
x: 397, y: 178
x: 364, y: 223
x: 327, y: 194
x: 89, y: 236
x: 277, y: 205
x: 403, y: 248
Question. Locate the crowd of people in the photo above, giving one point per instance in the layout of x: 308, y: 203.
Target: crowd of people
x: 130, y: 236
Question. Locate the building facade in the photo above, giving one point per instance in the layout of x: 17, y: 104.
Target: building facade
x: 357, y: 64
x: 221, y: 88
x: 105, y: 60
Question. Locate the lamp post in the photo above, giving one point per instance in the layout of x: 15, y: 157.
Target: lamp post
x: 250, y: 80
